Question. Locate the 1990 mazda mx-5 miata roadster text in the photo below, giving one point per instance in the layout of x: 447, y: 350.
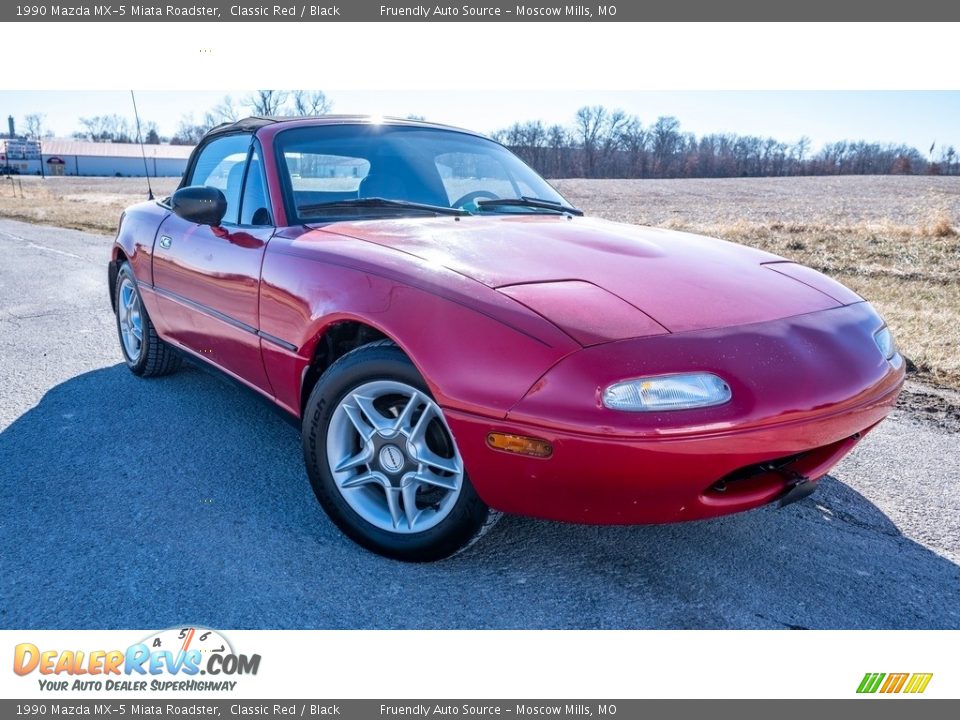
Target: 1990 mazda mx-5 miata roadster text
x: 455, y: 340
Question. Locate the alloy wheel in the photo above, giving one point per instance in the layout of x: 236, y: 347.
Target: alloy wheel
x: 393, y: 458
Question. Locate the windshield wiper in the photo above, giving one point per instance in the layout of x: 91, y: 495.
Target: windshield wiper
x: 531, y: 202
x: 380, y: 203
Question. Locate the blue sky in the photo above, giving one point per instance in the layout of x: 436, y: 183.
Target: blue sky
x: 917, y: 118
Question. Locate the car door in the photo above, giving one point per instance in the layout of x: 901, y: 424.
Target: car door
x: 207, y: 279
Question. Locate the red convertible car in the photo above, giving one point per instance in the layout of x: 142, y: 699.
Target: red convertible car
x: 455, y: 340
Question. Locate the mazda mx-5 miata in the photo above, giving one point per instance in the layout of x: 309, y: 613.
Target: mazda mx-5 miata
x: 455, y: 340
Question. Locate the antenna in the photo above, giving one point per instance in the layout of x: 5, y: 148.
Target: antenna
x: 142, y: 151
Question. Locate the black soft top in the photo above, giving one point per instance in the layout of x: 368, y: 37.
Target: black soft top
x: 255, y: 122
x: 248, y: 124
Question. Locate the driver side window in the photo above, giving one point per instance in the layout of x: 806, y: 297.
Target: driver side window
x: 220, y: 165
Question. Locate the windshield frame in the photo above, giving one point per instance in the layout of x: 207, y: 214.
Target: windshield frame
x: 286, y: 186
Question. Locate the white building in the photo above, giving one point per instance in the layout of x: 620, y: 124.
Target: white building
x: 78, y: 157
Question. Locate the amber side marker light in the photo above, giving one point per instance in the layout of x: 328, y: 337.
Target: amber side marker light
x: 520, y: 445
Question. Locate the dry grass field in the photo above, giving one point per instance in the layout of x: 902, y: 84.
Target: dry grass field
x: 895, y: 240
x: 91, y: 204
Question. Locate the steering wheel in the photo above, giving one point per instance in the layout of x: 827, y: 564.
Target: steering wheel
x: 475, y: 195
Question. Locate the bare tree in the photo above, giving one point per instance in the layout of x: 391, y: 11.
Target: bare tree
x: 665, y: 138
x: 188, y: 131
x: 611, y: 139
x: 267, y: 102
x: 105, y: 128
x: 558, y: 140
x: 801, y: 148
x: 634, y: 141
x: 588, y: 128
x: 528, y: 140
x: 224, y: 111
x: 948, y: 156
x: 34, y: 125
x: 311, y: 102
x: 598, y: 132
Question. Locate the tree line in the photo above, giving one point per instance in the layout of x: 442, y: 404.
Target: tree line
x: 604, y: 143
x: 600, y: 143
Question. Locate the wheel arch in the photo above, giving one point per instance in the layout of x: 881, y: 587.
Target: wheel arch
x: 335, y: 339
x: 118, y: 258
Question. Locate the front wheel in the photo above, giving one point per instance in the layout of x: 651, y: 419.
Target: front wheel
x: 383, y: 462
x: 143, y: 350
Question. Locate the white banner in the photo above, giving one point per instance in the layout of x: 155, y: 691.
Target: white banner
x: 479, y: 664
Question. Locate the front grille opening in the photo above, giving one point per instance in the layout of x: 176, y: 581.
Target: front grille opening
x: 754, y: 484
x: 763, y: 482
x: 741, y: 477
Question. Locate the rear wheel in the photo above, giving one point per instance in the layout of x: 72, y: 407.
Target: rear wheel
x: 383, y: 462
x: 143, y: 350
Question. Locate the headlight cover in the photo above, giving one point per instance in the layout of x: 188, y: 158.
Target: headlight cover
x: 679, y: 391
x: 884, y: 340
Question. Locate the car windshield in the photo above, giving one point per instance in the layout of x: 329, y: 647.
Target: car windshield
x: 373, y: 170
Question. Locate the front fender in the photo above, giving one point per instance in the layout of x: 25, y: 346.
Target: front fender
x: 477, y: 350
x: 136, y: 235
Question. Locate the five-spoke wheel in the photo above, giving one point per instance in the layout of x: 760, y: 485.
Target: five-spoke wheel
x: 393, y: 458
x: 383, y: 461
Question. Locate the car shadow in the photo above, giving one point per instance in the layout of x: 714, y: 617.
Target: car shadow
x: 151, y: 503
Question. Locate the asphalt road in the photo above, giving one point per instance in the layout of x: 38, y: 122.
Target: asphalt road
x: 152, y: 503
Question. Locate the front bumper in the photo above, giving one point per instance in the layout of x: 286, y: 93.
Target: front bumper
x: 806, y: 390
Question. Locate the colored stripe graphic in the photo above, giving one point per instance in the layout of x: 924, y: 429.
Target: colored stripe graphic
x: 894, y: 682
x: 918, y: 682
x: 870, y: 682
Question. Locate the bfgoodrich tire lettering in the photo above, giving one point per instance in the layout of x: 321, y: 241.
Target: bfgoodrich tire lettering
x: 382, y: 462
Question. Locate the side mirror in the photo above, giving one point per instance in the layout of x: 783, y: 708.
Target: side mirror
x: 199, y: 204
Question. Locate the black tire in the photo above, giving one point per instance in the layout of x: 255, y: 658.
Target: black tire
x: 156, y: 357
x: 469, y: 517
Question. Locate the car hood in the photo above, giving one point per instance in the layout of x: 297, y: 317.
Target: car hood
x: 603, y: 281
